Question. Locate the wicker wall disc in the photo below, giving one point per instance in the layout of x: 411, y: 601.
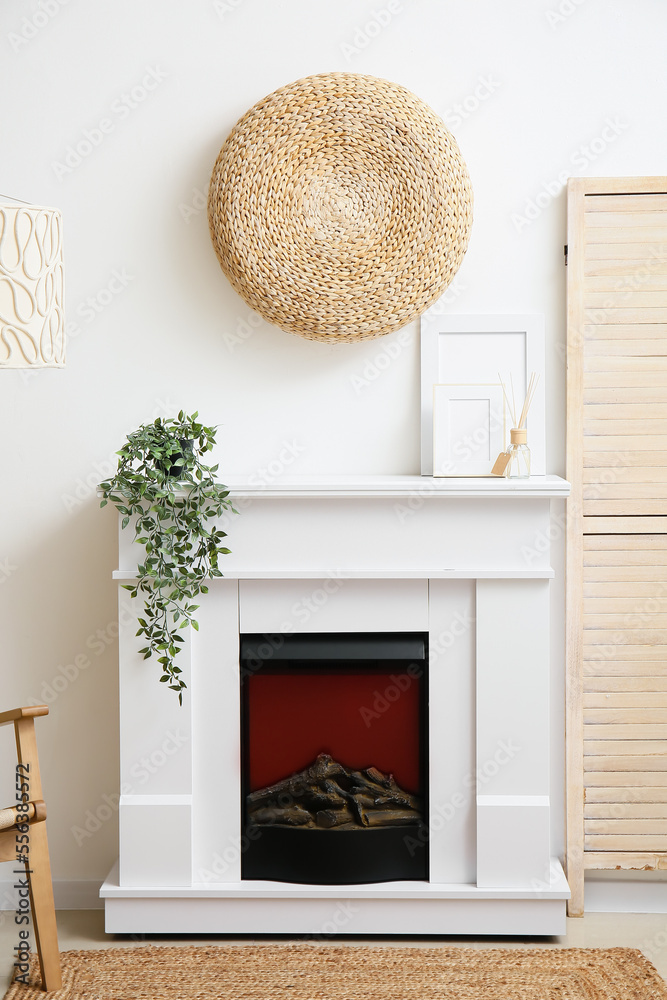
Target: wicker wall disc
x: 340, y: 207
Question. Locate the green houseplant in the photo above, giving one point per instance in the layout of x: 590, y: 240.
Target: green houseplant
x: 162, y: 482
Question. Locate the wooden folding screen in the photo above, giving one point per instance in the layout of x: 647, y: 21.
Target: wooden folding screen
x: 616, y: 606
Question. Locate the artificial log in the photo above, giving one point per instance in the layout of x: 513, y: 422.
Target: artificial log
x: 390, y: 817
x: 314, y: 779
x: 327, y: 819
x: 383, y: 789
x: 288, y: 816
x: 327, y: 795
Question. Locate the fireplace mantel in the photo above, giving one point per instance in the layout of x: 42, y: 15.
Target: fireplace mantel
x: 465, y: 560
x: 262, y: 484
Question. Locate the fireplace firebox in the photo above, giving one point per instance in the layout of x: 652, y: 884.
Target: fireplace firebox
x: 334, y: 775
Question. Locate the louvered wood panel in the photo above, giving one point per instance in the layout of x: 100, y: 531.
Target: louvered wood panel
x: 633, y: 731
x: 623, y: 752
x: 650, y: 748
x: 637, y: 797
x: 625, y: 860
x: 622, y: 682
x: 604, y: 363
x: 617, y: 526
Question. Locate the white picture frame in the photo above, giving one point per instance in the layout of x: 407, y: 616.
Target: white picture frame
x: 474, y: 349
x: 468, y: 429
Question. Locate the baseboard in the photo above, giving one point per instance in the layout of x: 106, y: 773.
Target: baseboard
x: 69, y: 894
x: 611, y: 895
x: 602, y: 895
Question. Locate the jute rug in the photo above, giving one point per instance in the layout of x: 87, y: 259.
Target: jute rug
x: 315, y: 972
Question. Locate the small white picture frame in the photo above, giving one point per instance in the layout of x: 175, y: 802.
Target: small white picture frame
x: 468, y: 429
x: 473, y: 349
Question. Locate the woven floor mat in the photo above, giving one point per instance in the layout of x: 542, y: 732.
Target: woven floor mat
x: 316, y: 972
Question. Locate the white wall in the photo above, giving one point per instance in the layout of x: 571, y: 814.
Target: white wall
x: 551, y: 83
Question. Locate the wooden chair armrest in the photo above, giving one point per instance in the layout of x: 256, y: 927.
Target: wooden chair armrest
x: 23, y: 713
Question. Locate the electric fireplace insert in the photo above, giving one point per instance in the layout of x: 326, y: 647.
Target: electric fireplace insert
x: 333, y: 757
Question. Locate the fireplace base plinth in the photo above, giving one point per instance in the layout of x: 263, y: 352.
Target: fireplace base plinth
x: 238, y: 908
x: 336, y: 857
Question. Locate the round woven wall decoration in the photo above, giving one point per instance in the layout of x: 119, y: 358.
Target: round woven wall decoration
x: 340, y: 207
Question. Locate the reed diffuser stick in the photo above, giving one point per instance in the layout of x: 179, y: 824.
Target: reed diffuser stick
x: 530, y: 392
x: 525, y: 402
x: 509, y: 405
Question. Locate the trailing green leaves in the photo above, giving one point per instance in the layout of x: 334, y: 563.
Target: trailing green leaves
x: 162, y: 483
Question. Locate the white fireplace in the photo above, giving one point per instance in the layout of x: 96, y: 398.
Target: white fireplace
x: 464, y: 561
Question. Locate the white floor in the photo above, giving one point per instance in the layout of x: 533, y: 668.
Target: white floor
x: 80, y: 929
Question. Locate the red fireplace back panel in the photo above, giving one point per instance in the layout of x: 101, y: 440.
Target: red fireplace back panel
x: 362, y: 719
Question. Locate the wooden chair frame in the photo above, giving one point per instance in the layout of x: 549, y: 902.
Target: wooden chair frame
x: 38, y: 868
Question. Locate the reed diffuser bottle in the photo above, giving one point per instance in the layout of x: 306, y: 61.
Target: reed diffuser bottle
x: 518, y: 466
x: 515, y: 462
